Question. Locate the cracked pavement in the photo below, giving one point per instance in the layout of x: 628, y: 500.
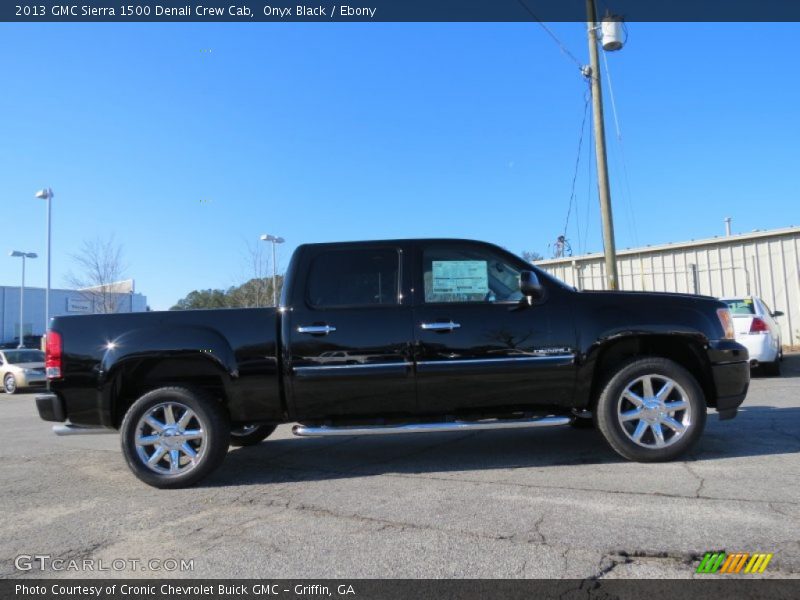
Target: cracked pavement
x: 497, y: 504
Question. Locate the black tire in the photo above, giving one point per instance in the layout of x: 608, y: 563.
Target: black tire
x: 772, y: 369
x: 685, y: 392
x: 10, y: 384
x: 210, y: 421
x: 251, y: 435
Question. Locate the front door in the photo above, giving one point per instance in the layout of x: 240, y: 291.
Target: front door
x: 349, y: 333
x: 478, y: 343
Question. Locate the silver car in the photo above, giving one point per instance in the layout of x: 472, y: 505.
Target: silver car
x: 21, y: 368
x: 756, y: 329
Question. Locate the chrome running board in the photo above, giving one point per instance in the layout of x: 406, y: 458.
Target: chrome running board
x: 69, y: 429
x: 328, y: 431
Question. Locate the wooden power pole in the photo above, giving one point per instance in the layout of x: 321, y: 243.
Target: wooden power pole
x: 600, y: 149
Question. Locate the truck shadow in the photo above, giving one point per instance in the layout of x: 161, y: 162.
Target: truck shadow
x: 757, y: 431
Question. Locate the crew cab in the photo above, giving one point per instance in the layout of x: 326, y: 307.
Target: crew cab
x: 391, y: 337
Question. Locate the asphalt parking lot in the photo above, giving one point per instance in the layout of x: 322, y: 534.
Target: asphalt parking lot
x: 500, y: 504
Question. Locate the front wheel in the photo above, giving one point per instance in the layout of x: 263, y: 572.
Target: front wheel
x: 173, y: 437
x: 10, y: 384
x: 651, y: 409
x: 249, y: 435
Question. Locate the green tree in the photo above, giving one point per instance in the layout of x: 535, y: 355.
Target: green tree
x: 202, y: 299
x: 250, y: 294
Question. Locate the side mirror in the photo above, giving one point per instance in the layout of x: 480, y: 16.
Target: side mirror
x: 529, y: 285
x: 777, y: 313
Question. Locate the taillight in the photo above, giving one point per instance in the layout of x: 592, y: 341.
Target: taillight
x: 726, y: 321
x: 758, y: 326
x: 53, y: 349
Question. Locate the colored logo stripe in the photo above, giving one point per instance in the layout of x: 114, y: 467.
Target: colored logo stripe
x: 723, y: 562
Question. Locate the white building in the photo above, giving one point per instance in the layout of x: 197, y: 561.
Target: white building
x: 119, y: 298
x: 763, y: 263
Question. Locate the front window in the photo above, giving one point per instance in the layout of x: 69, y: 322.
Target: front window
x: 469, y: 274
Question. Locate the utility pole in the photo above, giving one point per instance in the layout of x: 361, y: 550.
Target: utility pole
x: 600, y: 149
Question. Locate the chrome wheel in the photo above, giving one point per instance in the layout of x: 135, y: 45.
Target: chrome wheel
x: 170, y: 439
x: 10, y: 384
x: 654, y: 411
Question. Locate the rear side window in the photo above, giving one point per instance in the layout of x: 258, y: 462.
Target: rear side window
x: 741, y: 306
x: 361, y: 277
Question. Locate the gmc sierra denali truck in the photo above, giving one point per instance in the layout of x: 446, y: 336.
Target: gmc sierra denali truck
x: 393, y: 337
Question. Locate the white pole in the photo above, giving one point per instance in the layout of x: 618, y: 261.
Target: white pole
x: 47, y: 292
x: 22, y: 307
x: 274, y: 277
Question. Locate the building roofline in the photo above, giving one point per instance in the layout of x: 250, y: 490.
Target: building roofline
x: 720, y: 239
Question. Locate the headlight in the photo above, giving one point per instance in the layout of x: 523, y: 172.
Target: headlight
x: 726, y: 321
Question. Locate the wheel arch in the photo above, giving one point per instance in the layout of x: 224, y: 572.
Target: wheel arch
x: 686, y: 351
x: 147, y: 358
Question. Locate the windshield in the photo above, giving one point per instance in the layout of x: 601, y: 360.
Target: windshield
x: 741, y: 306
x: 24, y: 356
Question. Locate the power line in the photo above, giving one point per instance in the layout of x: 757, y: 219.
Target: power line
x: 628, y: 195
x: 577, y: 162
x: 558, y: 42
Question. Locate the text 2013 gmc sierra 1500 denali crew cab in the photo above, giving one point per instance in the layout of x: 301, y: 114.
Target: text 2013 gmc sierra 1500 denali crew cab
x: 390, y: 337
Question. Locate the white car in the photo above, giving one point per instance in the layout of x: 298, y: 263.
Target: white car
x: 756, y: 329
x: 21, y: 369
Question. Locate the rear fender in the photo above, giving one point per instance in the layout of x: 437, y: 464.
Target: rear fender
x: 163, y: 343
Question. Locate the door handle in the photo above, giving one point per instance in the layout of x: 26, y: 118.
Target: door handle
x: 439, y: 326
x: 316, y: 329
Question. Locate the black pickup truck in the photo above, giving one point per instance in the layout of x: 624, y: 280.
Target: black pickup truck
x: 392, y: 337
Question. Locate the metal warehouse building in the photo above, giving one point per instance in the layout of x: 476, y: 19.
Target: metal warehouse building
x: 762, y: 263
x: 62, y: 302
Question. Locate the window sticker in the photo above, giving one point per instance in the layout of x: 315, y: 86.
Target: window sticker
x: 460, y: 277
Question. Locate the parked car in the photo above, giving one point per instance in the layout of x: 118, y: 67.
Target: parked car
x: 21, y: 368
x: 757, y: 330
x: 449, y: 335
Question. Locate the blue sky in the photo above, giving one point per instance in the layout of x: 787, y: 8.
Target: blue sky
x: 186, y: 141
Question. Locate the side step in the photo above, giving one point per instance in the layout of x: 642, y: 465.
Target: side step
x: 69, y: 429
x: 327, y: 431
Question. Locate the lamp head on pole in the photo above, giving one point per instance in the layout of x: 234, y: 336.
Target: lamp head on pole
x: 272, y: 238
x: 45, y: 193
x: 18, y: 253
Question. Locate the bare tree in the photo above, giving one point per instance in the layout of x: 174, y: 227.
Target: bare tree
x: 100, y: 266
x: 257, y: 290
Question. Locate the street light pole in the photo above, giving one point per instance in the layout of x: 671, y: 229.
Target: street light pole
x: 275, y: 240
x: 23, y: 256
x: 604, y: 188
x: 47, y: 194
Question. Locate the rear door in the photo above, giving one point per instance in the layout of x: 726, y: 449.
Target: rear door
x: 477, y: 345
x: 348, y: 327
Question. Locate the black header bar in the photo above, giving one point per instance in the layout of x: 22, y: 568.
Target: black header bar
x: 249, y: 11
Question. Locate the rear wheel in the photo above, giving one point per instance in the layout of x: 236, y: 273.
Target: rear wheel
x: 173, y: 437
x: 249, y: 435
x: 772, y: 368
x: 652, y: 409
